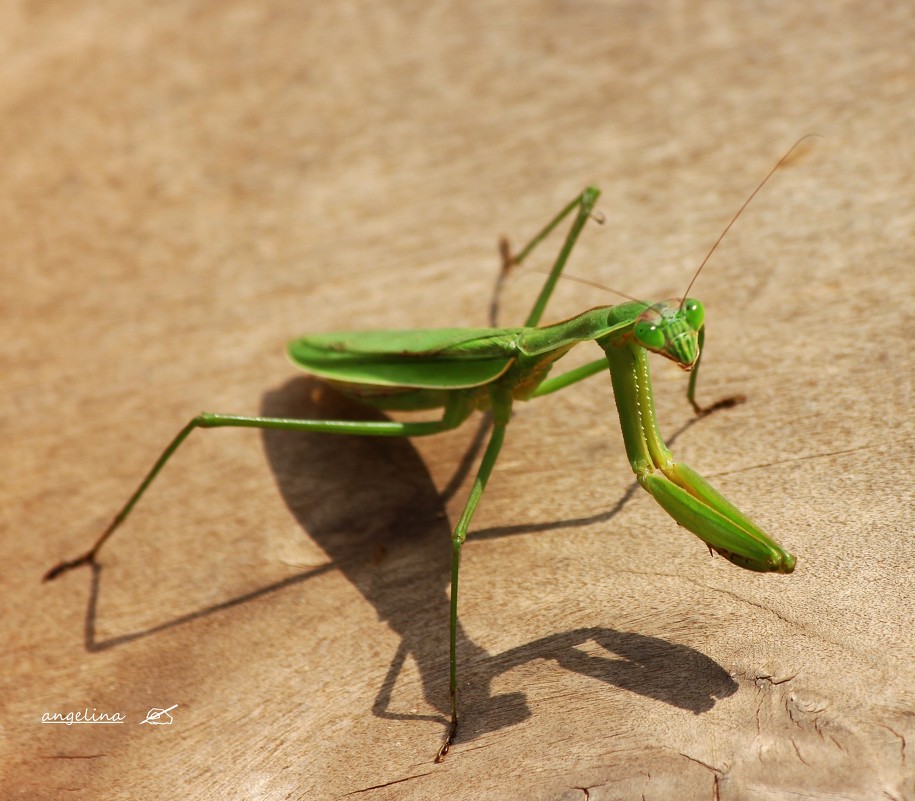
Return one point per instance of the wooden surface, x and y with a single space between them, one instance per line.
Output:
186 186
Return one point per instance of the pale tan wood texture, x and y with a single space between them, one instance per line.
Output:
185 186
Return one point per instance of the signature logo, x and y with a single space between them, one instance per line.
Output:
159 717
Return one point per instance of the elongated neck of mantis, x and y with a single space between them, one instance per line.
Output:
592 324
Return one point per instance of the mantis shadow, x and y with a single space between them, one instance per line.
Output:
371 505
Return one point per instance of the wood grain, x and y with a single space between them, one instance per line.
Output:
185 186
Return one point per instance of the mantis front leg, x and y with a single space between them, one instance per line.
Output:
681 491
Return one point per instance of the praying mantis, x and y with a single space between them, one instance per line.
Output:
462 370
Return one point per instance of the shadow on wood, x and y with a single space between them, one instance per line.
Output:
371 505
397 555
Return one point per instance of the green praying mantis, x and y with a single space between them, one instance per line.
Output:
462 370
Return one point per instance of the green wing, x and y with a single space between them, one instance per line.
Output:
441 358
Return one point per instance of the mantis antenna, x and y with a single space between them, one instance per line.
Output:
579 280
746 203
569 277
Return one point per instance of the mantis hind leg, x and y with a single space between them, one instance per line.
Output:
455 413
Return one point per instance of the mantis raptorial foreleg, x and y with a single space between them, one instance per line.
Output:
686 496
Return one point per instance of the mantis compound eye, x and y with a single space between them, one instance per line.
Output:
650 335
694 313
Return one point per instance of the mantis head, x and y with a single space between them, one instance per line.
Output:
671 328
